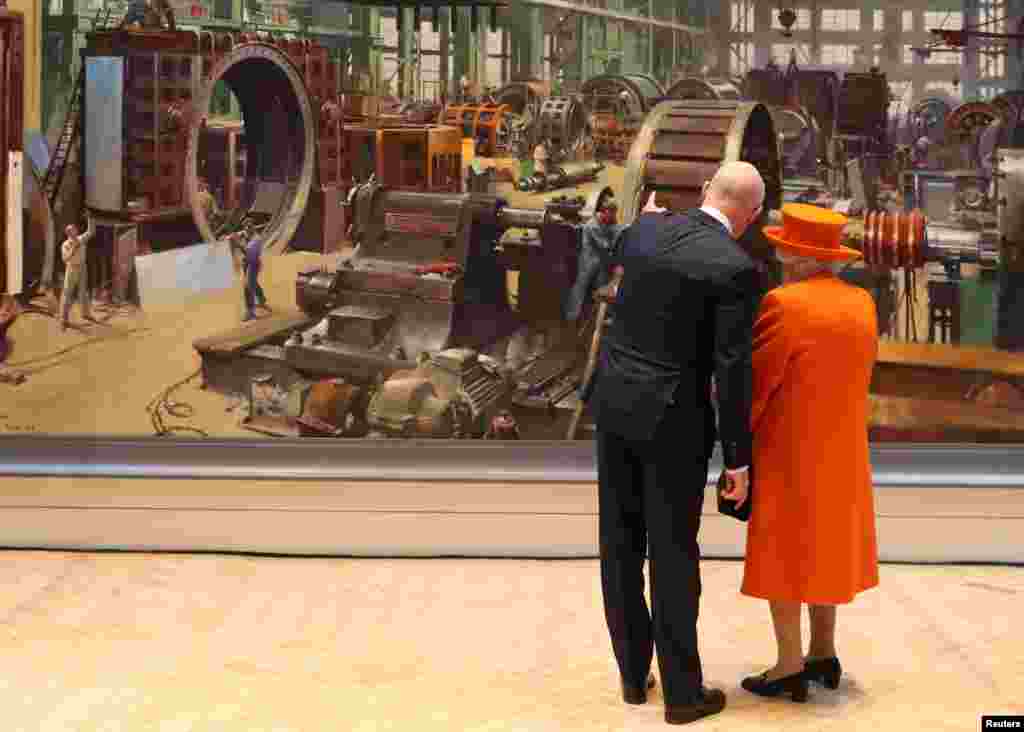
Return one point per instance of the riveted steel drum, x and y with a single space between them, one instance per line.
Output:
563 121
694 87
684 142
638 92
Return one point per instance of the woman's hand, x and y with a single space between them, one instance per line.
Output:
738 486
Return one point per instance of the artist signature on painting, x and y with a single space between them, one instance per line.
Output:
4 427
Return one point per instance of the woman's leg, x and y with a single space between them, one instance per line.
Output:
786 619
823 631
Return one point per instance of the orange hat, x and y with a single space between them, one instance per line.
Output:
811 231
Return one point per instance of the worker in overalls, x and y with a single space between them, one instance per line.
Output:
72 252
599 246
252 255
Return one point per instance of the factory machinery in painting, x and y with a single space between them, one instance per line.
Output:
442 314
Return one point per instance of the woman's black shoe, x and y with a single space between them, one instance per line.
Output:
826 670
794 684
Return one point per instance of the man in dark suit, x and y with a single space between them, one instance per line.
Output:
684 313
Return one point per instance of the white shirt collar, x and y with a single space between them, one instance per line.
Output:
718 216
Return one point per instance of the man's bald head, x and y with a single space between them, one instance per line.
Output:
737 190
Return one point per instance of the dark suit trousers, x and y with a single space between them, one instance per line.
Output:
651 494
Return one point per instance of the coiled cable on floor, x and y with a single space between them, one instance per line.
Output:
162 403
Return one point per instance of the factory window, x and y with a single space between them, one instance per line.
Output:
495 58
742 20
840 19
803 19
878 54
879 20
741 56
837 54
944 58
942 19
991 62
782 52
908 20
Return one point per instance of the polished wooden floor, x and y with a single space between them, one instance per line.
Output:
210 642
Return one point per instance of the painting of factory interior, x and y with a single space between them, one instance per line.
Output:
363 221
293 291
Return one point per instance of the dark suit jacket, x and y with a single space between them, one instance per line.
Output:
685 310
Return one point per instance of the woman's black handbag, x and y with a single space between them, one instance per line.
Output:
727 506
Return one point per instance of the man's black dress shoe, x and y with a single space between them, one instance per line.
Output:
794 684
634 694
712 702
825 670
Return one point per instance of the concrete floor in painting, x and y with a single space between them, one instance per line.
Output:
99 377
205 642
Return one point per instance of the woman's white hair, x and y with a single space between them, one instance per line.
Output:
806 266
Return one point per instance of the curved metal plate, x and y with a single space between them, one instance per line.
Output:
279 132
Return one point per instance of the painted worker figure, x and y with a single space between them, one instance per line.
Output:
209 205
72 252
597 251
540 158
251 266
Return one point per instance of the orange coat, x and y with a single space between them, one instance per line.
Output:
811 536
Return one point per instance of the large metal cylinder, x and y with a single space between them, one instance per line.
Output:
637 92
563 122
280 146
683 143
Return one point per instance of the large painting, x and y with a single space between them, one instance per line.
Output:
340 253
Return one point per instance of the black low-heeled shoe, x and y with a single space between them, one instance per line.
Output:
826 670
794 684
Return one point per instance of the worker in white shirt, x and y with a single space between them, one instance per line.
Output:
540 158
72 251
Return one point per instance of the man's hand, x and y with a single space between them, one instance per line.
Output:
651 206
737 486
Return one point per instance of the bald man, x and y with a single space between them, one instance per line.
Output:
684 312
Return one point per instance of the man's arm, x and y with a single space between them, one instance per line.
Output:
734 322
89 232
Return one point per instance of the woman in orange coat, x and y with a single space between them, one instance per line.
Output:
811 538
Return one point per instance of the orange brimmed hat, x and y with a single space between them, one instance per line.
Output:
811 231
